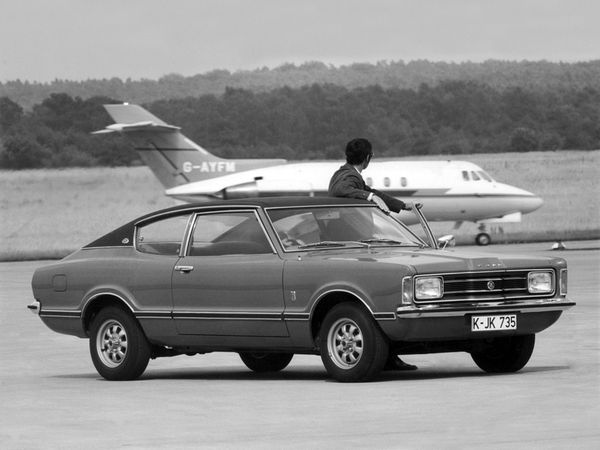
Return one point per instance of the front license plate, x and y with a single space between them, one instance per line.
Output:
493 323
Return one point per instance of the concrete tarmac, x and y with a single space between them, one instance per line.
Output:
52 397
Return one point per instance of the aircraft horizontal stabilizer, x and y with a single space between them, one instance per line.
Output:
133 118
139 126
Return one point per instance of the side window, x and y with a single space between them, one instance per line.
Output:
465 175
386 182
296 228
403 181
228 233
369 181
162 237
475 176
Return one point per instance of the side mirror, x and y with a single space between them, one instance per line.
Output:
446 241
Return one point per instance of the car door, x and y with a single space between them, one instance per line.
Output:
229 283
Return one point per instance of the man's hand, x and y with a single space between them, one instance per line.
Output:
380 204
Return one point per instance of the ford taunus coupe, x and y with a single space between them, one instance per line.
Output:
269 278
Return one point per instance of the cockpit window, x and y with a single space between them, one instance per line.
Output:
485 176
465 175
475 176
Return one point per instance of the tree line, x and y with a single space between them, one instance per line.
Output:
499 75
314 122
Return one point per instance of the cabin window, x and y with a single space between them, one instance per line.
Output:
162 237
386 182
369 181
475 176
403 182
465 175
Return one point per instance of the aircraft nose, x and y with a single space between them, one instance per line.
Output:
525 201
529 201
534 202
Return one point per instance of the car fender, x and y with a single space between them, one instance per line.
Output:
122 295
343 288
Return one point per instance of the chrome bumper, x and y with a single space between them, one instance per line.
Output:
34 307
454 310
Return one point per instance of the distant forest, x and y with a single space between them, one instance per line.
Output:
310 111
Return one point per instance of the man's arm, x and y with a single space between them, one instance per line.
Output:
392 203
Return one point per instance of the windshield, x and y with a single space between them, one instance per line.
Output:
339 226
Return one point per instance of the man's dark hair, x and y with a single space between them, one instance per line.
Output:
358 150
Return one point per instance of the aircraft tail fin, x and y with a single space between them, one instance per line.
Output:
169 154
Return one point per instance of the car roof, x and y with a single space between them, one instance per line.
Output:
259 202
123 236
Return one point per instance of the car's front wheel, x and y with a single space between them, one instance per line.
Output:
266 362
505 354
118 346
352 346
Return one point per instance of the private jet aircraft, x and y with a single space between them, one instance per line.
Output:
456 191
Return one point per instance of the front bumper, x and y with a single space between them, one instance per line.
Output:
453 321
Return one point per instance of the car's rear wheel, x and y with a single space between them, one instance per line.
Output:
505 354
118 346
266 362
353 347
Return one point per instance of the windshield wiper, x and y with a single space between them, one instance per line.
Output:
391 242
333 244
381 241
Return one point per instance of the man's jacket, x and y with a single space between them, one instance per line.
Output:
347 182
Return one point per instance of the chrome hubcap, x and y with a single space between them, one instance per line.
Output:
345 343
111 343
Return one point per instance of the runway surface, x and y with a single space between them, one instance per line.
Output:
52 397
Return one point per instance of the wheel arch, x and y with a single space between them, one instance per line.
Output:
99 301
330 299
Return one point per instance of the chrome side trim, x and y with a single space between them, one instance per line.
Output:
385 316
34 307
222 315
296 316
64 313
154 314
106 247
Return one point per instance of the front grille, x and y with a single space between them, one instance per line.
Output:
486 286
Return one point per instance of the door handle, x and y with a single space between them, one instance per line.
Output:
184 269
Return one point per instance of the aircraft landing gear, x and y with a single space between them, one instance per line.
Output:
483 238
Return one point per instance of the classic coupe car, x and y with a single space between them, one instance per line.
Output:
272 277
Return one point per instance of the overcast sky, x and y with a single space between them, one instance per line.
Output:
41 40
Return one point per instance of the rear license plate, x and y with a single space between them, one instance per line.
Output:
494 323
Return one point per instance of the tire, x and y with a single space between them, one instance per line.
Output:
483 239
352 346
266 362
506 354
118 346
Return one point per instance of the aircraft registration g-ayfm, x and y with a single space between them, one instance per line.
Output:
457 191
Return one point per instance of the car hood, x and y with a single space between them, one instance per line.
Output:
436 261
